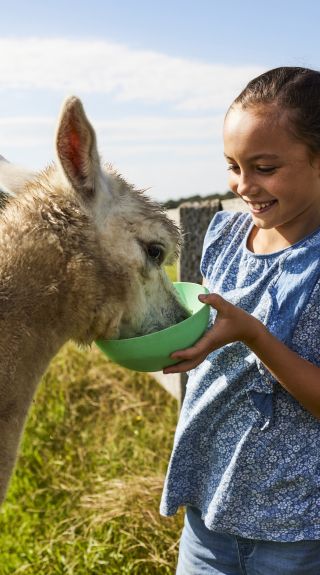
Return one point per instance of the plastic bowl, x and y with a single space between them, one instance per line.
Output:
152 352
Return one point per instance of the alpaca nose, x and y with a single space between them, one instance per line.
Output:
172 314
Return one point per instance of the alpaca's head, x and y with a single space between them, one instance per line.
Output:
134 236
110 241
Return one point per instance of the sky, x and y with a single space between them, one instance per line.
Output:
155 78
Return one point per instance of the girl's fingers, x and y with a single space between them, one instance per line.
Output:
188 361
191 353
193 356
200 349
213 299
204 345
183 353
181 367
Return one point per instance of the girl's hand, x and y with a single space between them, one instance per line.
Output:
231 324
296 374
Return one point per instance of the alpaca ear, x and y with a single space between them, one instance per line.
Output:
76 148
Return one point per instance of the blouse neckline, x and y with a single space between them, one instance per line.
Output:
278 252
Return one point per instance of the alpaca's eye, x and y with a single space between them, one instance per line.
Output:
155 252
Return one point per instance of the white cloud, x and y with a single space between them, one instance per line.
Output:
175 147
174 157
91 66
140 131
26 132
161 130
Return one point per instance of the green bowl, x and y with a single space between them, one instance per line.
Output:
152 352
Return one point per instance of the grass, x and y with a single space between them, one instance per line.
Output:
85 495
172 272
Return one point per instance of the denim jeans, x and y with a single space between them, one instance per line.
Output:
205 552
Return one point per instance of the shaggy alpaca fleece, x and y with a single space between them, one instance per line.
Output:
81 256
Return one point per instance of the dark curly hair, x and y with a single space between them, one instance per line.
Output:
293 90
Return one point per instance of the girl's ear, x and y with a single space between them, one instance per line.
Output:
76 148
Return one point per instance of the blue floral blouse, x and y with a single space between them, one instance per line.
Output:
246 453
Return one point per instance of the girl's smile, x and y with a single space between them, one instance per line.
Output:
273 172
260 207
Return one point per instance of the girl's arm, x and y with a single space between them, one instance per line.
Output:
297 375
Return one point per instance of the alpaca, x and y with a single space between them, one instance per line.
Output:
13 177
81 255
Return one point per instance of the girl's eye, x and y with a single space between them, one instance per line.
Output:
232 167
260 169
266 169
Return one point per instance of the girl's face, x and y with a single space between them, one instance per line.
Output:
272 171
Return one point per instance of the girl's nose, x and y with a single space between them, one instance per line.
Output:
245 185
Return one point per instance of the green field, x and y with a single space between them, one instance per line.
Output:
85 495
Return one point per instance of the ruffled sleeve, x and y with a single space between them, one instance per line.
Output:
220 227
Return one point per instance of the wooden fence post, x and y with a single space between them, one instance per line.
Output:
194 220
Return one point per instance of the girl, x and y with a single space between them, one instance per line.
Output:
246 456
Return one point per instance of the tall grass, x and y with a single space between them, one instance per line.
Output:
85 494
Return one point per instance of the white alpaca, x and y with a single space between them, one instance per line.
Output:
13 177
81 256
